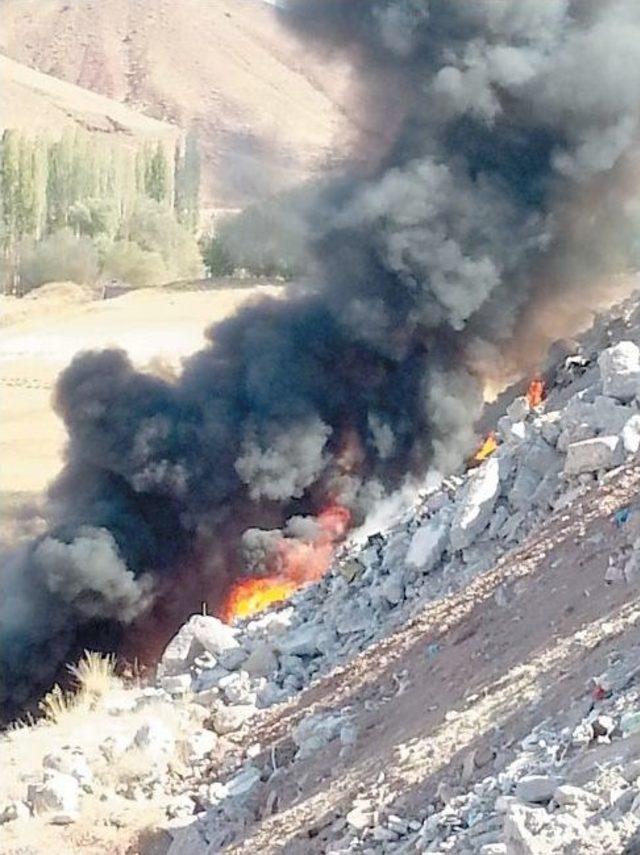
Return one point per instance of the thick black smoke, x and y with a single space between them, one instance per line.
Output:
503 119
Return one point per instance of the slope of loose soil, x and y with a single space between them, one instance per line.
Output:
267 110
33 101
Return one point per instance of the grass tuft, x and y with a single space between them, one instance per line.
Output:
94 677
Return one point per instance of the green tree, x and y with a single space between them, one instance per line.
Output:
157 180
93 217
187 181
10 178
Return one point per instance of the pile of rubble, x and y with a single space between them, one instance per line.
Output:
219 679
546 458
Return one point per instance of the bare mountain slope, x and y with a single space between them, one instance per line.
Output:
268 112
34 101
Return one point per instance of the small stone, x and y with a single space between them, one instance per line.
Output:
62 818
537 789
154 737
630 722
176 685
70 761
57 793
13 811
468 767
603 725
360 817
428 544
393 590
631 771
179 653
229 719
503 803
314 732
630 435
243 782
518 409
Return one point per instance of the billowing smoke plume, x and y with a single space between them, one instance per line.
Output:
505 123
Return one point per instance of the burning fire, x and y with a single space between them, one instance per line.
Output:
488 447
536 393
253 595
298 562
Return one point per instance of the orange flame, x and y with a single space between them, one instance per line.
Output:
253 595
298 562
488 447
536 393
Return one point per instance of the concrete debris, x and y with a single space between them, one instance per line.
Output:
314 732
620 370
428 543
475 505
536 788
589 455
58 792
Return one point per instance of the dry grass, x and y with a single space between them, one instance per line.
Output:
94 676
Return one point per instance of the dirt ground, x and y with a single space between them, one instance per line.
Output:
41 335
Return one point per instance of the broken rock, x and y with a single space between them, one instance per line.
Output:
428 543
589 455
475 506
314 732
620 370
57 793
537 789
229 719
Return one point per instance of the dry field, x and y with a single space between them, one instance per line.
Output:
41 334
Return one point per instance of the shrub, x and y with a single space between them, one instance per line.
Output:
61 257
155 229
216 257
139 267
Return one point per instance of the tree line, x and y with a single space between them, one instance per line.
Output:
77 206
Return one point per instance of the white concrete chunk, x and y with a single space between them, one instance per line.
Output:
620 370
475 505
428 543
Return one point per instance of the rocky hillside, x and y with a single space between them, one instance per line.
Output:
36 102
465 679
269 113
